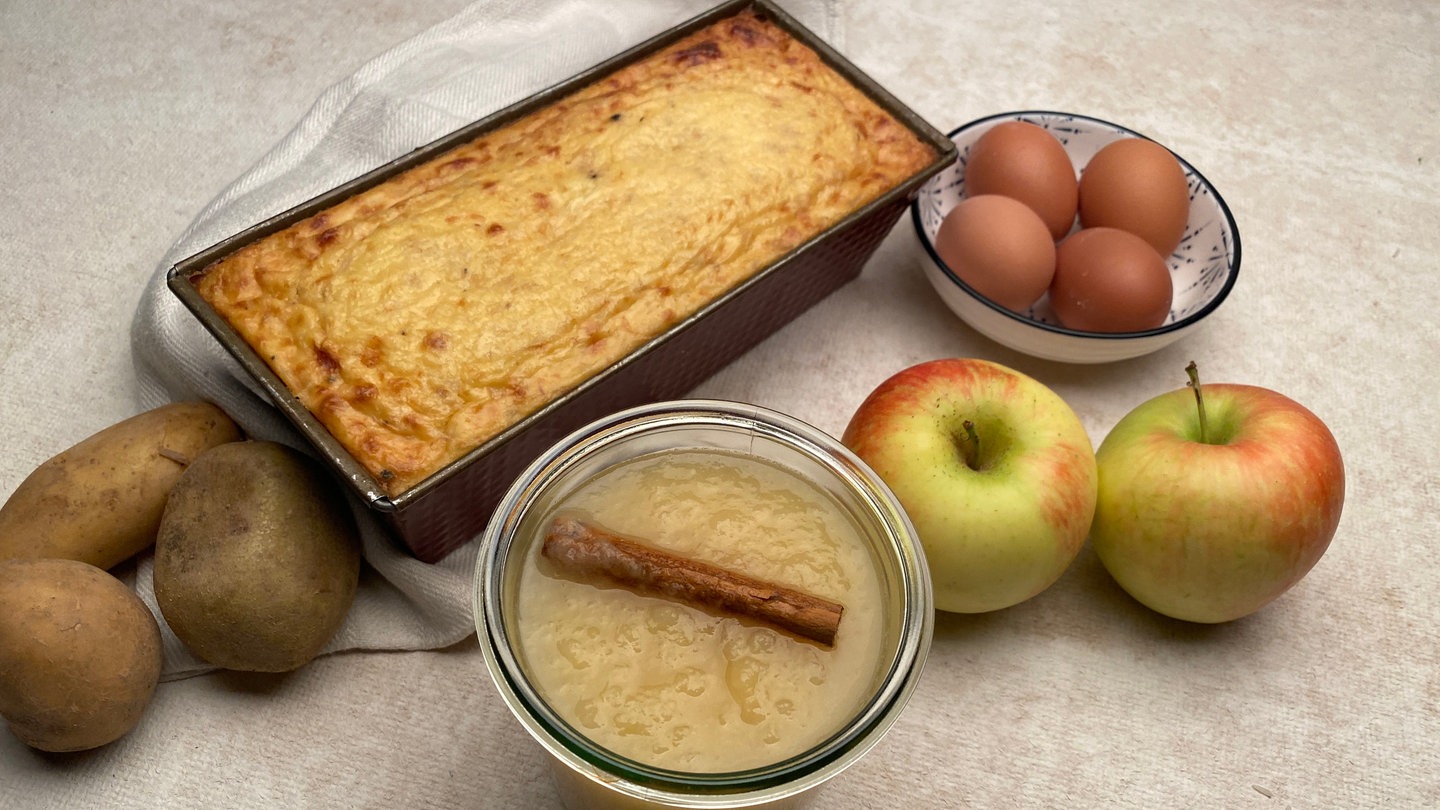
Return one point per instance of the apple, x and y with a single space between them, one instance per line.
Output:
1213 503
994 470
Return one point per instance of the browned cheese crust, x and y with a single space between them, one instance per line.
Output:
420 318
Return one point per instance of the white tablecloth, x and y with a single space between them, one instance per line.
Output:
124 122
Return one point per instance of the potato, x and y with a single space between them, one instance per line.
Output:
80 654
100 501
257 559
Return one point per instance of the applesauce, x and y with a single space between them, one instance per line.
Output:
643 702
683 688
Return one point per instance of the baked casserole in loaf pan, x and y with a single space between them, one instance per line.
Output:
434 325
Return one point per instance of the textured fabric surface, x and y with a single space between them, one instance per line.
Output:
489 55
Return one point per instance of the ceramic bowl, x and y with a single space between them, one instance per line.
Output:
1203 267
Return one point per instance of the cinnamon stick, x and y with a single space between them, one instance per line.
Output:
589 551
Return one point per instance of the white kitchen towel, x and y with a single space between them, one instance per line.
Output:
493 53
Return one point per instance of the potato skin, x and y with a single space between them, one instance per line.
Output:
80 654
100 501
257 559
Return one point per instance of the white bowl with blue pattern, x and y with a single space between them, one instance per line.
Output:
1203 267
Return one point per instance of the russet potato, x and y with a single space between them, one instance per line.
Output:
257 559
80 654
100 501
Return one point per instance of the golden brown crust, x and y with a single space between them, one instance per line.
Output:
420 318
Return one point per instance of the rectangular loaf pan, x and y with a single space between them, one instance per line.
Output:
453 505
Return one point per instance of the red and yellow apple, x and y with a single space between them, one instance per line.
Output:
994 469
1215 501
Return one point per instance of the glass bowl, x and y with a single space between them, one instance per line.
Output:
587 774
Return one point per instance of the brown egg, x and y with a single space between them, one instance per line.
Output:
1109 280
999 246
1136 185
1024 161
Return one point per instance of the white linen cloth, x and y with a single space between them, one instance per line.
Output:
492 54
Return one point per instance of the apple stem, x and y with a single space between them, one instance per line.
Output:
970 447
1194 373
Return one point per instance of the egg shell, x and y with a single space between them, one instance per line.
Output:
1109 280
1000 247
1136 185
1024 161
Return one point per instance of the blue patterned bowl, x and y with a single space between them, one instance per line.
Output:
1203 268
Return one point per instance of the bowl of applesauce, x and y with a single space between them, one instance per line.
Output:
701 604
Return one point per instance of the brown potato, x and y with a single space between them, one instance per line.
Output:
100 501
80 654
258 558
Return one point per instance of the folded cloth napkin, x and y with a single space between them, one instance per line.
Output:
492 54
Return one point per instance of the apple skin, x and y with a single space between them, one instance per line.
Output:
999 534
1211 532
